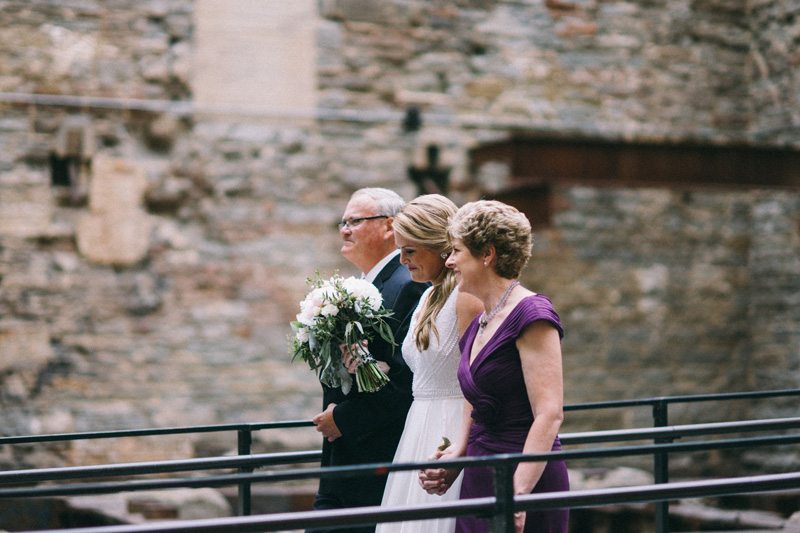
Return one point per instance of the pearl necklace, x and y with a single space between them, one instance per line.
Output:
486 317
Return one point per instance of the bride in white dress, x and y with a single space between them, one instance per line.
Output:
431 351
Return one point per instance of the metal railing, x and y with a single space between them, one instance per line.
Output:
244 441
660 412
504 465
500 507
253 461
478 506
659 433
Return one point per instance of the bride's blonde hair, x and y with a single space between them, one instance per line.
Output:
424 220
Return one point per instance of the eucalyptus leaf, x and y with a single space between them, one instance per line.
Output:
312 341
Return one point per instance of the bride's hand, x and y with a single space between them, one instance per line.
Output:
439 480
519 521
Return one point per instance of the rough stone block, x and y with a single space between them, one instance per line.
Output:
114 238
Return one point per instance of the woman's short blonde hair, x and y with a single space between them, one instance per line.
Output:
489 222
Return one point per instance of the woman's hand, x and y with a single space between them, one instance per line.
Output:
519 521
439 480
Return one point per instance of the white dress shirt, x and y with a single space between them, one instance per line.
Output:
374 271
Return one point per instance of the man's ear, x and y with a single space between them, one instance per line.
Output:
389 229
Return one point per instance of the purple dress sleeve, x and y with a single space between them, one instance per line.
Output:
531 309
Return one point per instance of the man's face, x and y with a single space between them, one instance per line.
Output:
364 242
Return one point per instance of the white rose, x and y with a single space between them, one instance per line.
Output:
317 297
328 291
330 310
306 316
364 290
302 335
310 308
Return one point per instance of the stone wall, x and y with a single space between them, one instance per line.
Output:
771 67
662 291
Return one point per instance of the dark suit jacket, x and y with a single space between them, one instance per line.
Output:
371 422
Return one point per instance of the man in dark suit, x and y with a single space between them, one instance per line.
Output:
365 427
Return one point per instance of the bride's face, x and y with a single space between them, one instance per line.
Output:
422 263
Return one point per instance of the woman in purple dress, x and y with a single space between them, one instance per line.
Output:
510 369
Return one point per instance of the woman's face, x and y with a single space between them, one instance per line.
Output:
469 270
422 263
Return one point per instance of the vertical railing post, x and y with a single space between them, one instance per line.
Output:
244 442
503 521
661 465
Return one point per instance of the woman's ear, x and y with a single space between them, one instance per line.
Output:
489 255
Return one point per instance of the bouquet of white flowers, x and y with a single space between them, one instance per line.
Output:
339 312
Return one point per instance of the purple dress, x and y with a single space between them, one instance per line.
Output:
502 414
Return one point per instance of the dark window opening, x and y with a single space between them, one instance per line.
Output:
432 178
63 170
536 201
71 158
69 176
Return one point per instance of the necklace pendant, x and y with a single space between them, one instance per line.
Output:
486 317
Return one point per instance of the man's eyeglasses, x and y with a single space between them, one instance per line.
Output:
355 222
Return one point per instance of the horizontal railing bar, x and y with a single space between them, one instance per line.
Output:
477 506
662 493
157 467
144 432
687 430
383 468
689 398
727 396
326 518
257 460
274 425
659 492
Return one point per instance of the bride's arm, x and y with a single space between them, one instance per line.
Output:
467 308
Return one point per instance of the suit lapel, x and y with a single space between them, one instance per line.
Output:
386 272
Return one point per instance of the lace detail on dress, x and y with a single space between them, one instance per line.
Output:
436 377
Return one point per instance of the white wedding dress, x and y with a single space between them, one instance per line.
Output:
437 411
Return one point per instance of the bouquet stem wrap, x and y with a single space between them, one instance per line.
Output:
341 311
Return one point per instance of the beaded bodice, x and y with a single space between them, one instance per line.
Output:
435 369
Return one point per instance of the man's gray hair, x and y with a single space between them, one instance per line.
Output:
387 202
